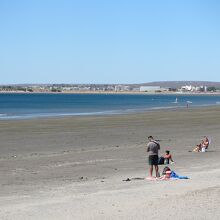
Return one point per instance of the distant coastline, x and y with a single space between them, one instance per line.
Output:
163 87
112 92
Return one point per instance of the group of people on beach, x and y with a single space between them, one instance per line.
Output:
153 148
154 160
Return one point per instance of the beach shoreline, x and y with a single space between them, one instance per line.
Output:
74 167
114 92
28 106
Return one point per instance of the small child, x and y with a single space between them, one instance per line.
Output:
168 157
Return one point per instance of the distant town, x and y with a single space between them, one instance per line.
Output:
155 87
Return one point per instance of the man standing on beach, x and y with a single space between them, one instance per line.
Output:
153 147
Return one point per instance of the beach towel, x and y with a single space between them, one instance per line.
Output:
172 176
176 176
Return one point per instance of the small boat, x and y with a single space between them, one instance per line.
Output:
176 101
188 102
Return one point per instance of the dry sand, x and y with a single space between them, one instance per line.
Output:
72 168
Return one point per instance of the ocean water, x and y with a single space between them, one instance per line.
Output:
25 106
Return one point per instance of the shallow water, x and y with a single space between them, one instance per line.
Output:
24 106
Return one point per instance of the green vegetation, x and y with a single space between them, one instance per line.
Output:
211 89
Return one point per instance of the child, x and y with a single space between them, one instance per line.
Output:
168 157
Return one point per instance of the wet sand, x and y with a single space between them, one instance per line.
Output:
74 167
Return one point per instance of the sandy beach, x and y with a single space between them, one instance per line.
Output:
74 167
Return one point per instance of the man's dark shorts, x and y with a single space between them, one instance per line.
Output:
153 160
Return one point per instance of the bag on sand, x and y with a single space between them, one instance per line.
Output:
161 160
203 150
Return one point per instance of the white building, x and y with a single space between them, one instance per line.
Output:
186 88
191 88
149 88
122 88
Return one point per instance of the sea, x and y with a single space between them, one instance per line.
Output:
33 105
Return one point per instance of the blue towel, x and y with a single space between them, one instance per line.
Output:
175 175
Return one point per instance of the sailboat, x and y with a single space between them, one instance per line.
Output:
176 101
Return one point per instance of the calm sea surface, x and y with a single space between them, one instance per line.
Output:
24 106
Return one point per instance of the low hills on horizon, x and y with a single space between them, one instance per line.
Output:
179 84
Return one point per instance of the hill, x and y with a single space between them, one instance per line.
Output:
179 84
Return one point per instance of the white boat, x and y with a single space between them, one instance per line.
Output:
176 101
188 102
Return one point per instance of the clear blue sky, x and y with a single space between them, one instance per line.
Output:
115 41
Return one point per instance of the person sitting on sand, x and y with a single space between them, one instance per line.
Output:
203 146
168 157
153 147
205 143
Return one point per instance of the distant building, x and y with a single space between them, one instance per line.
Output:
191 88
149 88
186 88
122 88
136 89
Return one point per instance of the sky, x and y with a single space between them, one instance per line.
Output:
115 41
